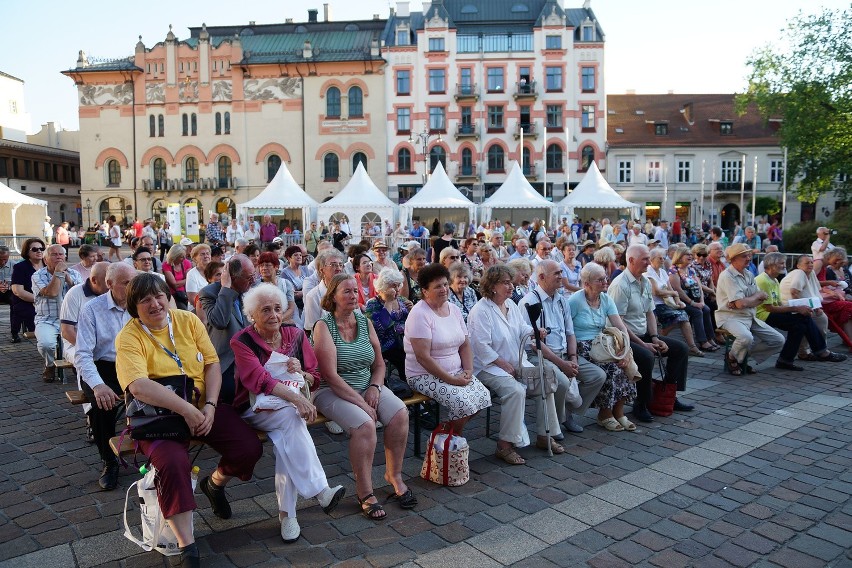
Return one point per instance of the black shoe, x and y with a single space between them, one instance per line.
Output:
683 407
218 499
833 357
189 557
15 339
428 420
109 476
779 364
640 413
49 374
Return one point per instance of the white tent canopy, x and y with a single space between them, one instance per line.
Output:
360 201
438 193
594 193
515 193
282 193
9 196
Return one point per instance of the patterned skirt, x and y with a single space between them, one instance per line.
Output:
459 401
616 387
669 316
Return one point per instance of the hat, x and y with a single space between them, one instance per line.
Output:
736 250
380 245
410 246
588 244
46 218
278 240
186 242
653 241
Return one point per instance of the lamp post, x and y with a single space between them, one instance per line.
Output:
423 138
88 213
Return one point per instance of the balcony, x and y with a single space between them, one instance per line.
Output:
525 90
529 130
467 174
467 131
729 186
466 93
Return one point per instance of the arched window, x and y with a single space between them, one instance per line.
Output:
159 168
273 163
114 172
587 156
356 102
224 172
496 159
152 126
194 124
161 122
331 167
554 158
185 124
159 210
403 160
191 169
437 154
467 162
332 102
359 158
527 162
227 123
218 123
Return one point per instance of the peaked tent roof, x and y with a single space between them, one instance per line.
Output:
360 192
282 192
594 191
439 191
516 193
9 196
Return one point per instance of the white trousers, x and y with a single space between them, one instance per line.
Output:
46 333
513 396
754 338
298 470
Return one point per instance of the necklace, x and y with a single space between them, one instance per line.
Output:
271 342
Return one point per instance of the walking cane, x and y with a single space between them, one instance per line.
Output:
534 312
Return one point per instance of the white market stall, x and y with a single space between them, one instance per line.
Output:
361 202
435 198
281 194
595 193
518 197
32 217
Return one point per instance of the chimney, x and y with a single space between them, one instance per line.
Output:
326 12
374 48
288 20
307 50
312 15
688 113
403 10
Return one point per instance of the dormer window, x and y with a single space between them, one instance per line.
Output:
726 128
661 129
587 32
402 36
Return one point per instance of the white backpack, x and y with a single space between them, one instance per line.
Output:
156 532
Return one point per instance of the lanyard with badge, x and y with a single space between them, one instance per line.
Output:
169 352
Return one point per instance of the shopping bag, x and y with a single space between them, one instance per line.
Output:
446 458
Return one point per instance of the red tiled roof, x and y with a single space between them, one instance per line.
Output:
692 120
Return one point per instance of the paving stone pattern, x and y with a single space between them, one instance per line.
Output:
758 475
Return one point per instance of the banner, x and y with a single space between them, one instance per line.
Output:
173 217
190 212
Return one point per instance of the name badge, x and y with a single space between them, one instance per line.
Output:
200 357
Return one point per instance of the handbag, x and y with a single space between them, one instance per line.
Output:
530 378
446 459
613 345
148 422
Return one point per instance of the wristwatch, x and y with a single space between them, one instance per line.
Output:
378 387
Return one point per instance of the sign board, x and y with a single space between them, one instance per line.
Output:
173 217
190 213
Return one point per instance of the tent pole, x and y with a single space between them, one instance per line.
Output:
15 227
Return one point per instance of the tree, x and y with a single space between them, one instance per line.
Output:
807 83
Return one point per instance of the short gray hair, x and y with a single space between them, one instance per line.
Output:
460 269
838 252
604 255
773 258
590 271
240 242
658 252
386 278
521 264
326 256
447 251
255 297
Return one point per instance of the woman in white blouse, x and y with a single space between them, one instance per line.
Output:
496 327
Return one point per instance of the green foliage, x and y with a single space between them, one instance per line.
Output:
807 83
765 206
798 238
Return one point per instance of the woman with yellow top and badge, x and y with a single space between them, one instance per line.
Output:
166 362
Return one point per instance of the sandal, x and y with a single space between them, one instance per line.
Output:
406 501
696 352
611 424
627 424
750 370
555 447
371 510
734 367
510 456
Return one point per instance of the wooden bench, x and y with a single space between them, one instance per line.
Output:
76 397
128 445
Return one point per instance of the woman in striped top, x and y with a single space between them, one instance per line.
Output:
351 364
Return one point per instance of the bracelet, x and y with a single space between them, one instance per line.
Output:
213 404
59 275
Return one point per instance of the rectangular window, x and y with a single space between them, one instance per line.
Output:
731 171
661 129
495 79
588 33
437 81
655 171
402 37
495 117
588 74
554 78
403 120
403 82
625 171
465 77
553 42
684 171
776 171
588 119
437 119
726 128
436 44
554 117
466 120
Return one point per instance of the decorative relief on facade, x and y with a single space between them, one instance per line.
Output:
96 95
588 56
188 91
554 19
343 126
272 89
436 21
155 93
222 91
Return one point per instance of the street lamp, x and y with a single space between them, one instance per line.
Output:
424 138
88 213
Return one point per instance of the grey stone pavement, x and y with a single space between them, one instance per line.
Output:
758 475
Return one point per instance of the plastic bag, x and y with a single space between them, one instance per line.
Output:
277 367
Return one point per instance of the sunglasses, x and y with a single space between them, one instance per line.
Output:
454 257
36 249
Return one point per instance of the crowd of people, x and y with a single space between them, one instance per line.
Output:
267 336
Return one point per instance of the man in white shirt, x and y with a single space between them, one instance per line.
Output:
233 232
662 234
522 250
543 248
606 230
821 244
803 283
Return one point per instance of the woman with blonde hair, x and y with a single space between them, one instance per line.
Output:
175 269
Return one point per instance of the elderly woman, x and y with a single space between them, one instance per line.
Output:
685 281
350 362
268 267
298 470
592 310
461 294
363 265
605 257
383 259
161 347
175 269
665 300
704 270
438 357
522 269
201 255
570 267
836 262
410 287
296 274
388 312
488 256
470 257
23 302
497 327
449 256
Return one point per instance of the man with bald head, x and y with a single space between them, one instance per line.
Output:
98 325
74 300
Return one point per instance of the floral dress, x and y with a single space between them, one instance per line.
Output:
465 302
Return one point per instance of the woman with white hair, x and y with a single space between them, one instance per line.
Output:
285 412
461 294
605 257
388 312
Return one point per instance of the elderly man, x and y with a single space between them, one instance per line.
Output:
223 305
382 258
213 230
522 249
797 321
715 255
329 263
268 231
801 283
631 292
543 248
751 239
822 243
662 234
500 251
637 237
50 284
738 297
234 232
98 324
5 276
74 300
606 230
560 346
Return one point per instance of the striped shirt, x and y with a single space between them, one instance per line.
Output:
354 358
47 309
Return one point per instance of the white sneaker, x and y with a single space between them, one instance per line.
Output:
333 427
290 529
329 498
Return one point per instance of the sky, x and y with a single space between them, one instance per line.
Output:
652 46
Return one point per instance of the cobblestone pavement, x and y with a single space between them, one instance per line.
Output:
758 475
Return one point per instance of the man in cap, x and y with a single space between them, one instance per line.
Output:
47 231
383 259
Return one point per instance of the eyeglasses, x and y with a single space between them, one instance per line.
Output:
335 264
145 258
701 255
456 257
36 249
600 280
